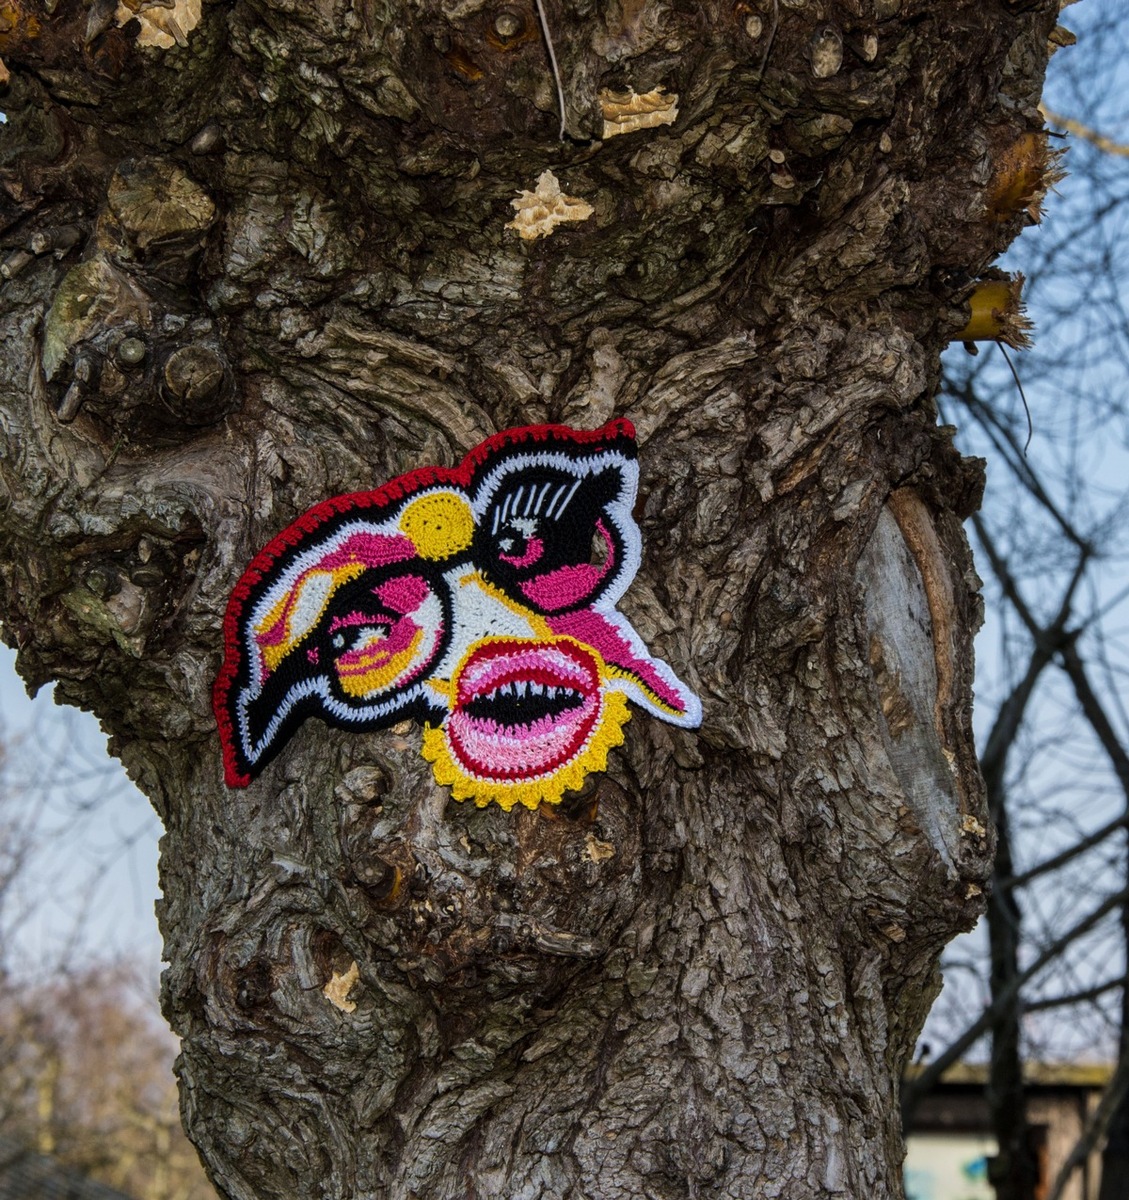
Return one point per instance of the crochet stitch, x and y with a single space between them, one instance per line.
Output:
478 600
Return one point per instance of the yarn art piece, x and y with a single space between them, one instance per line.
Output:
478 600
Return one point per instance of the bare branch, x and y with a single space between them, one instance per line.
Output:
1103 143
1060 860
914 1089
1081 997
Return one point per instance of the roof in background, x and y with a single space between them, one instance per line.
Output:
1070 1075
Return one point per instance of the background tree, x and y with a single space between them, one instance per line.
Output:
85 1062
1051 548
84 1077
262 258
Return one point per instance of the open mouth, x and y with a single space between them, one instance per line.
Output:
523 702
523 708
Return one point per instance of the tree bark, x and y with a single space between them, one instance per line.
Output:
702 976
1115 1152
1014 1171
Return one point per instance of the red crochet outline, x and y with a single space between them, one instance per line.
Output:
381 497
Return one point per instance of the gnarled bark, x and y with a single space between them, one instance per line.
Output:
702 976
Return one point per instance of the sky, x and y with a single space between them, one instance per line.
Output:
92 880
93 884
1075 383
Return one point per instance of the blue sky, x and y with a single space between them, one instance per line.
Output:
93 884
90 887
1076 382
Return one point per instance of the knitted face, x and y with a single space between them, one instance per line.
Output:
479 600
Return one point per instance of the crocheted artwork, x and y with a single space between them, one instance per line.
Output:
478 600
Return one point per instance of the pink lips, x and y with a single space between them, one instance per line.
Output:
523 708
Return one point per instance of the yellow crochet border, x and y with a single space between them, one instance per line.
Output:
547 789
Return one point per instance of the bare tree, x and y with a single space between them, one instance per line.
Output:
85 1060
265 256
85 1076
1051 547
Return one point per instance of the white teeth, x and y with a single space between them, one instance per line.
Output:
525 688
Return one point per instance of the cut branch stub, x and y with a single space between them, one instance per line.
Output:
197 384
159 206
996 313
91 297
146 362
1023 173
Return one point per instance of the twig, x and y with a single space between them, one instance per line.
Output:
1091 993
1046 644
543 18
914 1089
1085 133
1004 441
1061 859
1022 396
771 39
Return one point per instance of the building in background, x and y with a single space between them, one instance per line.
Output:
950 1144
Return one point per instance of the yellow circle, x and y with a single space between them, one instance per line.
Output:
439 525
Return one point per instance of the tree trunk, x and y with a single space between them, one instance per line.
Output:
1115 1153
1014 1171
272 265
